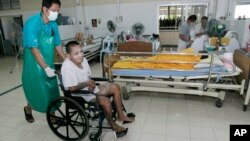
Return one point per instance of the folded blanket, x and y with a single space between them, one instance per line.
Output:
161 61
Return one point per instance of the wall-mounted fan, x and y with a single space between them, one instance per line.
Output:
16 35
138 29
111 26
109 41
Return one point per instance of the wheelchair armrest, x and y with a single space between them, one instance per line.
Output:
85 92
57 66
100 79
81 92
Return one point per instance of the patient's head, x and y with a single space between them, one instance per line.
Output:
74 52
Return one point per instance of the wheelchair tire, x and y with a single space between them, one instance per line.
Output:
69 122
93 138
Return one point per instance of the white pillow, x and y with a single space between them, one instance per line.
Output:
205 63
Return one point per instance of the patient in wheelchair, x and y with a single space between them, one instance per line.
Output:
76 76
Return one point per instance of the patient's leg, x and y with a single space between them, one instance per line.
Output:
105 103
113 89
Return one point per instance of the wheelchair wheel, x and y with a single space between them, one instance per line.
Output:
92 137
69 121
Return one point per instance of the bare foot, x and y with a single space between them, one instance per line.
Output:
125 118
118 128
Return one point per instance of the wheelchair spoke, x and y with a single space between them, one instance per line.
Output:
73 127
59 110
73 113
67 130
75 123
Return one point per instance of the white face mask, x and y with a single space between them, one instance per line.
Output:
192 24
52 15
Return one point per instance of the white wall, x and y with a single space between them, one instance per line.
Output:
132 12
67 31
232 6
225 8
71 12
145 13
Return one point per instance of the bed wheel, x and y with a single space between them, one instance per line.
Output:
125 94
93 138
218 103
244 107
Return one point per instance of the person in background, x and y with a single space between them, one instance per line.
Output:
202 27
184 33
40 39
76 74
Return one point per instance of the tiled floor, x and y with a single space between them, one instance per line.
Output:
159 116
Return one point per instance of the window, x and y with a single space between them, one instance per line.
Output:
170 17
242 10
9 4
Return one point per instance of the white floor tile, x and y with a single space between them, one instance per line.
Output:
177 111
200 122
31 136
171 138
221 135
152 137
15 135
154 128
177 120
178 131
220 123
160 118
200 133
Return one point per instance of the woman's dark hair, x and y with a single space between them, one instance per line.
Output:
71 44
204 18
192 18
48 3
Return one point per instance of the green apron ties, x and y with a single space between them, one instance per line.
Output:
39 89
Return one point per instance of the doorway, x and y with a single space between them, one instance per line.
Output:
7 47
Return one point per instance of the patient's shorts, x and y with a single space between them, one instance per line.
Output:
86 97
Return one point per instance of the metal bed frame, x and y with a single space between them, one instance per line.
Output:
204 85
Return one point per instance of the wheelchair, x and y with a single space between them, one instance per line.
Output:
72 114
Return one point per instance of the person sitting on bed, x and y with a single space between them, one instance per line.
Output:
76 74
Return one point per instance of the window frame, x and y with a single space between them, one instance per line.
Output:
10 5
185 11
240 3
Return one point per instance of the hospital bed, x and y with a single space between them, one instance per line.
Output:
91 51
130 47
212 81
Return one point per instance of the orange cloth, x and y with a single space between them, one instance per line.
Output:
161 61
